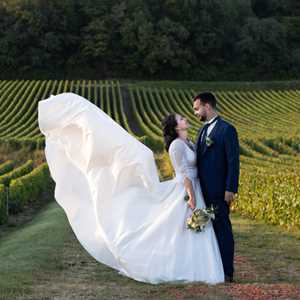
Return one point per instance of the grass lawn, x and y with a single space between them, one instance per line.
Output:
42 259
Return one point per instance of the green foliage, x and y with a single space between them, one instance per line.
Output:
153 144
274 198
3 204
18 143
283 146
266 116
266 8
28 188
207 40
6 167
15 173
263 43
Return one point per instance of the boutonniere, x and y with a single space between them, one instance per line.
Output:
209 141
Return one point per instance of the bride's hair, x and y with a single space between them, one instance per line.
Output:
169 123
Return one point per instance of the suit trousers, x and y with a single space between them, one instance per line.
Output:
223 230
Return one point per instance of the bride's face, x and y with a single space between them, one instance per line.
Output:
182 123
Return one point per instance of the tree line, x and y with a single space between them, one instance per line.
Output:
157 39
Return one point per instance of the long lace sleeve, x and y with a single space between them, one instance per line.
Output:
178 158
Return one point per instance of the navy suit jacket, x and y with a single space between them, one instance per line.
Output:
219 164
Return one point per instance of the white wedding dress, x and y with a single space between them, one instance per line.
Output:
108 185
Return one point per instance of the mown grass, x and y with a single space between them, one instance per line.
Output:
30 250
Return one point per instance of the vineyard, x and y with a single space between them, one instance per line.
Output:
267 122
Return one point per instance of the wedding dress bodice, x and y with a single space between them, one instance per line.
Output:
183 160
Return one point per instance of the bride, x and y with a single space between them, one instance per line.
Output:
108 185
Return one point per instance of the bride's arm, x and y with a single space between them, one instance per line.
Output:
177 154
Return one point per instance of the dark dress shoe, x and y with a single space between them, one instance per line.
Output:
229 278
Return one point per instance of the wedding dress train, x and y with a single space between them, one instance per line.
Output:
108 185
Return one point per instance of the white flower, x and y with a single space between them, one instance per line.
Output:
208 141
199 218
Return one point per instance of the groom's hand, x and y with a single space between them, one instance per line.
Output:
229 196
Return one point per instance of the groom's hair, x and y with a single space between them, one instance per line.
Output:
207 97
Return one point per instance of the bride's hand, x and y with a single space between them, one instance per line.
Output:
192 202
190 191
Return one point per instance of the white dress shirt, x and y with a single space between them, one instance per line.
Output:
210 127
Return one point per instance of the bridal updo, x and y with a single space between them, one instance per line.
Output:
169 124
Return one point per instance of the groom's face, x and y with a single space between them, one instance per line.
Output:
200 110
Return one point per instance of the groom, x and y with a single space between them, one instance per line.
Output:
217 148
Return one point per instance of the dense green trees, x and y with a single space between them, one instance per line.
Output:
176 39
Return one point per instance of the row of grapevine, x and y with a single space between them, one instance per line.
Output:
256 114
19 100
20 186
151 105
267 122
272 197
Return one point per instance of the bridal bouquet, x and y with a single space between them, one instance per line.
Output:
199 218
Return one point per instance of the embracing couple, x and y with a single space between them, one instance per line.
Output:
215 156
122 214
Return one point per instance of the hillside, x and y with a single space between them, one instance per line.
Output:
267 120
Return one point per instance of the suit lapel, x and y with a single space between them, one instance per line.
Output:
198 136
212 134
